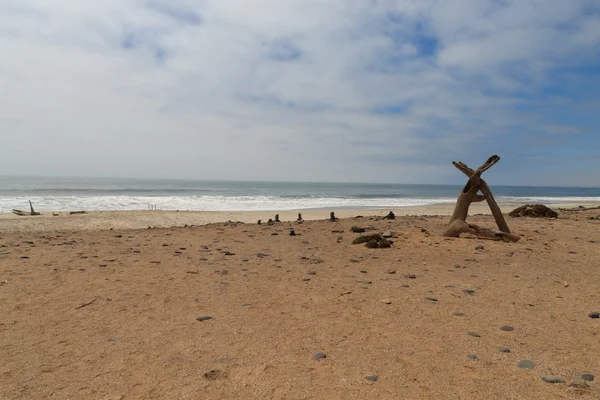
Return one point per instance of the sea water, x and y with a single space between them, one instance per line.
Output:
66 194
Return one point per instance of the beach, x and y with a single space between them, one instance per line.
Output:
98 306
140 219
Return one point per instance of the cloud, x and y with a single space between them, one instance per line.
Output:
297 90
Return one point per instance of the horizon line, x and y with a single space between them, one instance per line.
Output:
280 181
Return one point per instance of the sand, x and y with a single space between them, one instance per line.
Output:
102 220
112 314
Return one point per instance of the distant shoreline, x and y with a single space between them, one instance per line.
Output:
142 219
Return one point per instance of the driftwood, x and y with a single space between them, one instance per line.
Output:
458 222
25 213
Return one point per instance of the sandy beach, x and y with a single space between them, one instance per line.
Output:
102 220
89 312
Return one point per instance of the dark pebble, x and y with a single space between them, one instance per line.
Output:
553 379
411 276
474 334
594 315
504 349
24 257
354 261
82 269
459 314
102 265
479 247
203 318
311 273
319 356
306 279
363 271
526 364
372 378
456 266
391 271
507 328
587 377
472 357
433 299
470 292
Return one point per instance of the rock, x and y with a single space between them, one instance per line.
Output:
374 241
456 265
526 364
432 299
366 238
203 318
594 315
386 301
533 211
372 378
411 276
387 235
319 356
459 314
472 357
553 379
474 334
214 374
470 292
385 244
372 244
311 273
306 279
391 271
587 377
507 328
357 229
480 247
504 349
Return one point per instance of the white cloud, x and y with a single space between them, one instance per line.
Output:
280 89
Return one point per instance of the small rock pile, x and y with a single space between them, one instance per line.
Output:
533 211
375 241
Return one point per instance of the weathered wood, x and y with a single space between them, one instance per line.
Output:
459 227
25 213
487 193
469 195
500 221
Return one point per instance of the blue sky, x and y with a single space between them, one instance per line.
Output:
337 90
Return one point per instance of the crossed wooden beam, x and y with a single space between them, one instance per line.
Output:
469 195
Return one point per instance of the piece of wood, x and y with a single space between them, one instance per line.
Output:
487 193
85 304
469 195
459 227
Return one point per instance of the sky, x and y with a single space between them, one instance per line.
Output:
309 90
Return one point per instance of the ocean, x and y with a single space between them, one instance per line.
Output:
67 194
